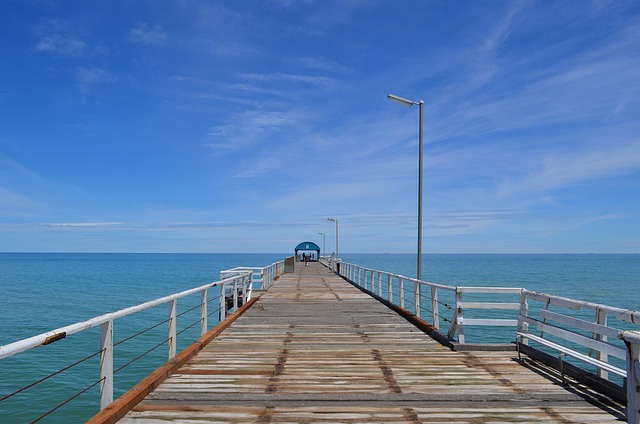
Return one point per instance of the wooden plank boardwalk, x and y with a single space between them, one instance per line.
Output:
315 349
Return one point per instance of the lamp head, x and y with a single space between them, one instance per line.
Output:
401 100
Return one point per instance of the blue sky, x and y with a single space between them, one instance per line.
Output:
240 126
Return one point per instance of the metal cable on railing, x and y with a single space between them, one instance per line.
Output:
141 355
35 383
188 327
214 298
157 325
141 332
446 305
214 312
162 342
60 405
188 310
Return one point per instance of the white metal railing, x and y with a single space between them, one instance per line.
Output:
589 333
237 281
106 323
263 277
239 294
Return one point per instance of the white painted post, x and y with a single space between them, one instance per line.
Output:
401 284
379 284
434 308
249 292
106 364
632 341
373 281
390 287
524 312
172 328
459 316
235 294
601 318
416 295
204 325
223 304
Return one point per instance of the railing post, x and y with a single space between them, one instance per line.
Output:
223 304
601 319
390 287
249 291
632 341
434 307
416 294
524 311
379 284
106 364
401 284
203 313
172 328
235 294
459 316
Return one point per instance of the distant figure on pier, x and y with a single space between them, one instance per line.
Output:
306 259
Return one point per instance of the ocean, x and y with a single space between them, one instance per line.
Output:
44 291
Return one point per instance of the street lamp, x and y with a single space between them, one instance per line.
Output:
336 221
323 245
409 103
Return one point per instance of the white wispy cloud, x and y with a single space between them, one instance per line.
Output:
566 169
88 76
56 37
322 64
245 128
147 35
314 80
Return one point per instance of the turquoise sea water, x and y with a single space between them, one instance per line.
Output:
41 292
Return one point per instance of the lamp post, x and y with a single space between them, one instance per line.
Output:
336 221
409 103
323 245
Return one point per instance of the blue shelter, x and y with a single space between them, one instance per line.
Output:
308 247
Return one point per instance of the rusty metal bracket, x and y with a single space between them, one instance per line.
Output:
54 338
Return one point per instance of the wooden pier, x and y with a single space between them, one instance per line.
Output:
316 349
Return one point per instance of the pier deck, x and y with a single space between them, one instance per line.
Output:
316 349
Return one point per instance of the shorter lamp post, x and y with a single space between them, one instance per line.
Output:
336 221
323 245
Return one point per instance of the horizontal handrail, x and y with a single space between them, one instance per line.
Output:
62 332
399 287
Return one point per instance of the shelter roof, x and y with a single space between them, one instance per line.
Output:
307 245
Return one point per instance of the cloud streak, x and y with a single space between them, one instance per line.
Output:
146 35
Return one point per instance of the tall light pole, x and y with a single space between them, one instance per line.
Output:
409 103
323 245
336 221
